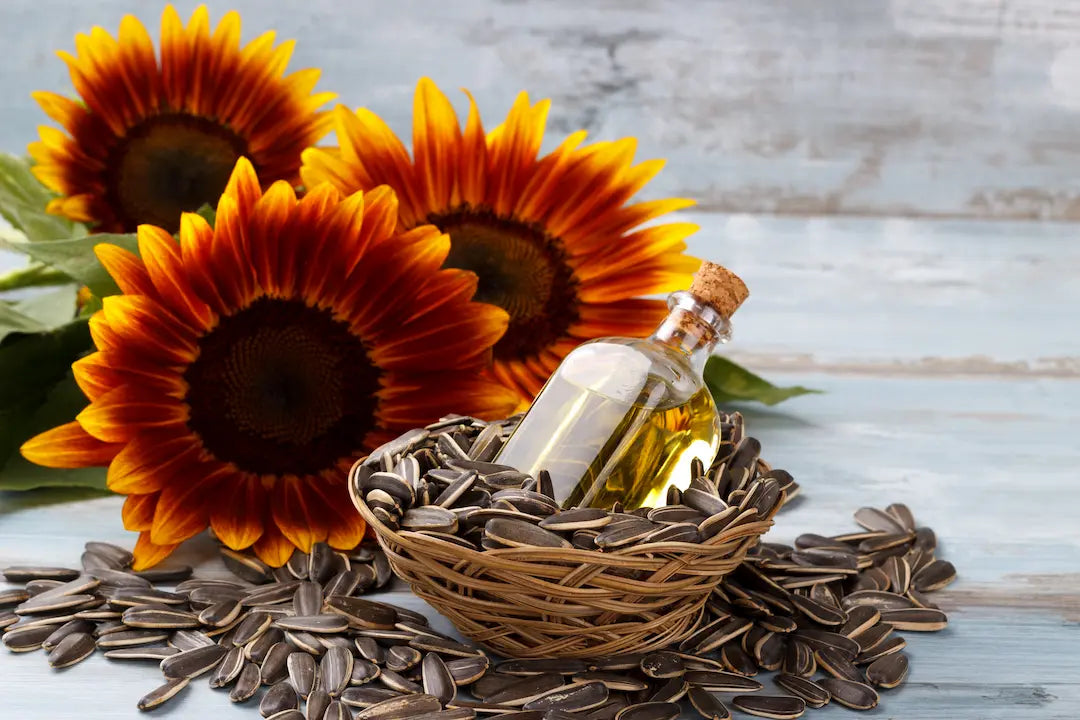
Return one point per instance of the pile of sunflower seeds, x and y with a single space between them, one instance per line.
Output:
823 613
440 482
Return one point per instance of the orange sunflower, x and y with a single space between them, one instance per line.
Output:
153 139
245 368
553 239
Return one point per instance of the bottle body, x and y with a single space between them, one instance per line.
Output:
620 420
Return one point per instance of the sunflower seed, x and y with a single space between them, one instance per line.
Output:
301 668
158 617
335 670
720 681
247 683
256 650
345 583
612 680
521 691
244 566
317 704
308 599
228 669
881 600
162 694
934 576
129 638
736 660
337 710
837 664
275 664
69 628
330 623
323 563
157 653
781 707
14 596
888 671
362 613
713 637
893 644
366 696
441 646
396 681
26 573
278 698
48 603
915 619
273 594
708 705
620 533
899 573
401 658
369 649
192 663
662 665
220 614
517 533
822 639
573 698
650 711
291 714
860 619
705 503
401 708
467 670
72 649
878 521
190 639
576 519
811 693
819 612
855 695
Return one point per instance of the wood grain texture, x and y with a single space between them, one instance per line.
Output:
997 485
945 108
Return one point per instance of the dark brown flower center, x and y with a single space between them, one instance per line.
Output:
280 387
168 165
521 269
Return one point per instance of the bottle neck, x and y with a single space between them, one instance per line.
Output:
693 328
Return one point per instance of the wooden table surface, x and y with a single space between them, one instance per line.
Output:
945 335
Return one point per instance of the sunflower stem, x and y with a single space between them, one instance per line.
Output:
36 275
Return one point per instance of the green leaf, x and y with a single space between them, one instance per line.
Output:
38 313
37 392
76 258
52 308
34 274
729 382
22 203
208 213
40 497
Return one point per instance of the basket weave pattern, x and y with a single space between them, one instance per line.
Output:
552 602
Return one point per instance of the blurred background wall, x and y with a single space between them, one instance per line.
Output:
878 161
921 108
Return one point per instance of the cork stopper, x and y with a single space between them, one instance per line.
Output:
719 287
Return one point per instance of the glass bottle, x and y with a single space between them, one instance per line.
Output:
622 418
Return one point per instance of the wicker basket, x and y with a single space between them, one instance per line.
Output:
570 603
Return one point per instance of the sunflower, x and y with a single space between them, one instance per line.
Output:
153 139
245 368
553 239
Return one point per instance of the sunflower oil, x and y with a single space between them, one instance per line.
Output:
618 422
622 419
